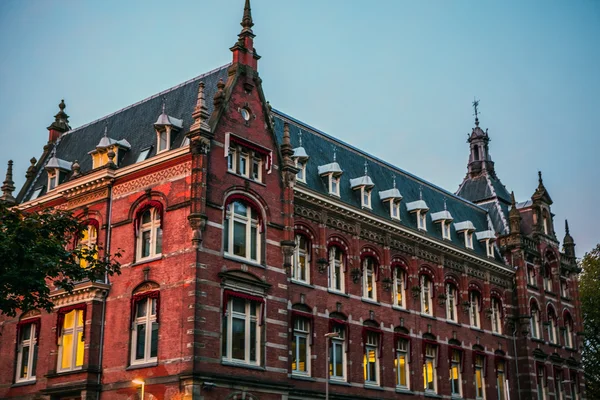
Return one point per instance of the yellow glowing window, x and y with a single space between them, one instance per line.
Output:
71 349
90 236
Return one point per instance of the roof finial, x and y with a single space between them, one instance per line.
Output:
9 185
475 105
366 168
334 152
420 192
445 206
394 181
566 227
513 203
540 180
164 104
247 22
300 137
106 129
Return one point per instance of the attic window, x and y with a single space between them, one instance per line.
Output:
394 197
420 208
366 197
143 154
488 237
333 172
106 146
245 114
469 240
422 220
334 185
301 175
365 185
57 170
395 210
300 159
163 141
446 230
467 228
53 179
164 126
489 246
445 219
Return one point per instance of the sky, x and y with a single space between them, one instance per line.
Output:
392 77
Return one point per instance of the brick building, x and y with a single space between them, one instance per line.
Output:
249 235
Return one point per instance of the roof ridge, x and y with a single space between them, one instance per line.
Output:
148 98
377 159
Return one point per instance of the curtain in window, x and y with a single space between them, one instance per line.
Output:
37 322
136 298
148 205
227 294
305 315
60 317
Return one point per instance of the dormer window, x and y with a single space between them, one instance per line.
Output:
57 171
366 197
301 175
332 172
395 210
301 159
165 125
52 179
108 147
420 209
466 228
334 185
445 230
246 159
422 220
488 237
393 197
444 218
489 246
364 184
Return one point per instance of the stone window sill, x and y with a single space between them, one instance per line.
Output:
24 383
144 365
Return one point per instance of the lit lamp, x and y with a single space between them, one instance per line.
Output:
327 337
140 382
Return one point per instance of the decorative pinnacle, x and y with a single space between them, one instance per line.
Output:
31 170
394 181
566 227
9 184
247 22
286 133
475 105
61 119
513 203
300 137
62 105
334 152
200 113
366 168
540 180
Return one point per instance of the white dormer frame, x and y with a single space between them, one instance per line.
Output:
56 169
489 248
420 208
446 233
444 218
53 178
395 209
393 197
301 175
422 219
488 237
163 139
467 228
365 197
334 185
333 172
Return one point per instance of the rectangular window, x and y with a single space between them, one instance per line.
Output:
468 240
489 246
474 309
426 293
70 351
399 288
336 269
501 380
27 353
243 164
401 364
163 141
334 185
241 232
455 374
300 347
241 332
366 197
446 230
496 316
301 175
395 209
369 286
371 359
246 163
144 340
421 220
531 276
479 377
451 302
301 262
541 383
231 161
559 385
535 323
337 355
564 292
257 169
52 180
430 369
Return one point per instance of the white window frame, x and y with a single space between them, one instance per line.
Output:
559 387
167 135
426 295
53 177
481 369
248 319
531 275
301 332
251 224
451 302
365 197
553 329
402 352
564 288
446 232
88 241
395 210
334 185
75 330
501 380
535 323
334 342
336 266
422 220
496 316
547 278
246 163
155 232
31 361
301 174
368 276
541 384
455 365
399 289
469 240
147 321
489 247
299 254
545 225
569 333
474 309
372 345
430 358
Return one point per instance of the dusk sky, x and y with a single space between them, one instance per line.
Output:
394 78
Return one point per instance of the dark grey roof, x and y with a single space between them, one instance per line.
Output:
483 187
134 123
319 147
498 213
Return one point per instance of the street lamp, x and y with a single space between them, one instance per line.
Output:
327 337
140 382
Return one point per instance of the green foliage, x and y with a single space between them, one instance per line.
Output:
38 255
589 292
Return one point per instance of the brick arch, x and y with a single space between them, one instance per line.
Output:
425 269
251 201
340 241
452 279
307 230
534 302
370 251
146 197
252 196
146 286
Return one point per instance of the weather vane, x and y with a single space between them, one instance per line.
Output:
475 105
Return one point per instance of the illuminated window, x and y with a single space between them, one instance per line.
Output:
70 350
88 241
242 232
455 373
336 269
144 337
27 352
337 355
474 309
371 359
401 364
300 347
368 279
399 284
241 332
496 316
430 369
426 295
451 302
301 261
501 379
479 377
149 240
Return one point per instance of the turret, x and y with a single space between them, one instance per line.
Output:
8 187
568 242
60 124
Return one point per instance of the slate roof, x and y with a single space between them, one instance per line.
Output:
483 187
319 147
135 124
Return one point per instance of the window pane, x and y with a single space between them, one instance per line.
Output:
145 243
240 208
24 362
153 306
226 234
33 361
238 305
163 141
69 320
239 239
67 351
142 308
238 339
159 238
253 341
225 336
302 267
339 366
140 348
26 329
154 340
253 247
80 350
401 370
146 217
302 356
295 356
372 365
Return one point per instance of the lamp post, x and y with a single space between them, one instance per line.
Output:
140 382
327 337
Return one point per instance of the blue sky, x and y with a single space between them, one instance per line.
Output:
395 78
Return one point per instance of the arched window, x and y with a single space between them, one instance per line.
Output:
70 330
535 320
426 294
400 279
88 241
452 300
531 275
149 231
336 269
475 308
547 275
552 326
28 331
568 331
242 230
301 261
496 315
145 309
369 271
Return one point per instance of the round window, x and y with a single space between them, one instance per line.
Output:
245 114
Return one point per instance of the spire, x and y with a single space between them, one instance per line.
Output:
60 124
9 186
247 22
568 242
475 105
514 215
567 227
243 49
541 194
200 113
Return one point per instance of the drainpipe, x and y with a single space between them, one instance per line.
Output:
106 257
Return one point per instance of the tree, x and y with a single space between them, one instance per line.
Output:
39 252
590 306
